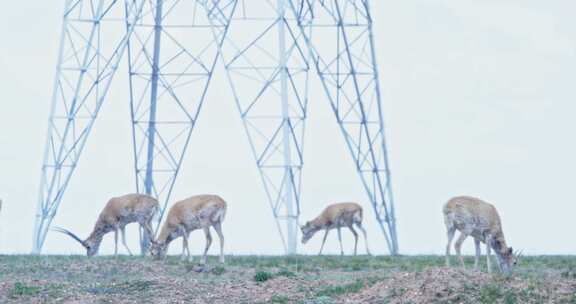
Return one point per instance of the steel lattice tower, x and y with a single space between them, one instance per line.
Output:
268 48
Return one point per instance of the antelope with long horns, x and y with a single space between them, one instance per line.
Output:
196 212
336 216
119 212
476 218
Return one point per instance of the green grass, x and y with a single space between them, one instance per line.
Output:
319 300
529 264
490 293
336 262
339 290
279 300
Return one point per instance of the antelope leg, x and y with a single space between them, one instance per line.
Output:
208 243
340 241
323 241
458 246
365 237
355 239
478 252
218 228
488 250
123 231
116 241
451 233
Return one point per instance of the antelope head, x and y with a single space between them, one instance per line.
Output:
507 258
308 231
90 244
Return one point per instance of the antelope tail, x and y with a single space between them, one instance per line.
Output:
219 215
358 216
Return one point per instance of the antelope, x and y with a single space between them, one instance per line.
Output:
196 212
336 216
476 218
119 212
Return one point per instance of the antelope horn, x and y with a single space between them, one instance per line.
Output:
72 235
518 254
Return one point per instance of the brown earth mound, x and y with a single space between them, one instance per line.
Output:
454 285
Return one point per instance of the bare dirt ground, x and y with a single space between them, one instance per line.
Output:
300 279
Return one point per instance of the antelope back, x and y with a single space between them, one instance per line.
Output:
469 213
341 213
196 212
129 208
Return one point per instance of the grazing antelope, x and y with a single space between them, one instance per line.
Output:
336 216
476 218
196 212
119 212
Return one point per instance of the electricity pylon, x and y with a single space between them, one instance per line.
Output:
268 48
172 48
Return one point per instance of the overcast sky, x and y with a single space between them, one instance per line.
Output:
479 99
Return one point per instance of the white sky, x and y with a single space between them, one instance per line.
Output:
478 98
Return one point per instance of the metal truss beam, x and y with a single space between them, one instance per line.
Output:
172 55
84 73
343 52
267 67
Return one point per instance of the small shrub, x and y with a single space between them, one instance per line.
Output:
218 270
262 276
21 289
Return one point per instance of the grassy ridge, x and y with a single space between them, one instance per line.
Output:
276 279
